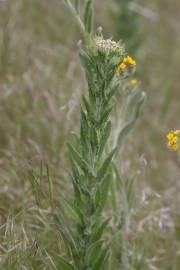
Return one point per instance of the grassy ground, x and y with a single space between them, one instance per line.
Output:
40 84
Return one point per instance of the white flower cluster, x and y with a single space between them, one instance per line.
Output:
108 45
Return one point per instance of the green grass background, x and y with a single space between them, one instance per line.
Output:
40 84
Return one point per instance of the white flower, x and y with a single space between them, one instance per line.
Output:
108 45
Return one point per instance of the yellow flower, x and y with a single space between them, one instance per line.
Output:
170 143
129 61
175 147
133 82
170 136
122 66
173 139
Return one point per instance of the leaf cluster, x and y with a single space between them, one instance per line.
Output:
91 166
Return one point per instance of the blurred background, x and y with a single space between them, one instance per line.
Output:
41 81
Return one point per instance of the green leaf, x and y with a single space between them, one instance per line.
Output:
120 182
80 161
75 171
98 230
102 193
88 107
64 265
37 189
72 212
77 189
94 138
50 184
125 131
94 250
130 194
99 263
88 16
84 142
84 123
105 136
85 60
106 164
112 92
105 115
65 231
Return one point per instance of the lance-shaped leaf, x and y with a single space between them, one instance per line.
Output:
105 115
84 141
84 125
102 193
64 265
88 16
77 191
99 229
112 92
65 231
101 259
94 251
106 164
131 194
73 212
86 63
125 131
104 137
93 137
80 161
89 110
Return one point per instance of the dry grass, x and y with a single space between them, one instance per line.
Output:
40 85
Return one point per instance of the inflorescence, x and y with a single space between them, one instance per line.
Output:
108 45
128 62
173 138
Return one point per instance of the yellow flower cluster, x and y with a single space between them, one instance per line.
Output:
173 138
127 61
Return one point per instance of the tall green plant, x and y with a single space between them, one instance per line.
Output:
105 65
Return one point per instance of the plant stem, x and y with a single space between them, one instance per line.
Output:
78 19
